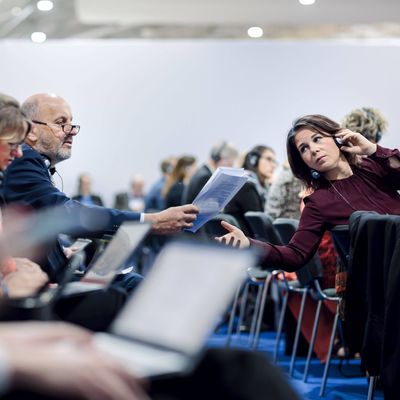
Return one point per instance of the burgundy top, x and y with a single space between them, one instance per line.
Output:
372 187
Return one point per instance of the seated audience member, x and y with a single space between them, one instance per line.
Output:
19 277
222 155
367 121
321 153
49 142
176 182
284 195
260 164
154 200
134 199
85 195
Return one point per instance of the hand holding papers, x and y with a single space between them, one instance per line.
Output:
217 193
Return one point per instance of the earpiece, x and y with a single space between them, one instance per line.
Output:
216 153
315 174
46 161
339 142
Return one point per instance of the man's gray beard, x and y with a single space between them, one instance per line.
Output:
62 154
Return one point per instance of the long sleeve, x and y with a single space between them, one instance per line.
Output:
383 167
27 181
302 246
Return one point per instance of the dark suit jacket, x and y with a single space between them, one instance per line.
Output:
95 199
196 183
27 181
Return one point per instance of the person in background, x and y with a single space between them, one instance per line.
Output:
284 195
222 155
179 178
19 277
259 163
154 200
367 121
85 195
134 199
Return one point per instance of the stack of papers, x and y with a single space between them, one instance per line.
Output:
217 193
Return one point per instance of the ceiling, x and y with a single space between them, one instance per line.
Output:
201 19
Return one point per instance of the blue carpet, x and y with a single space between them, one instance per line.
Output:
338 387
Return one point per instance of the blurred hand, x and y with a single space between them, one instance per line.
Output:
355 143
70 251
173 219
34 332
235 237
26 280
70 371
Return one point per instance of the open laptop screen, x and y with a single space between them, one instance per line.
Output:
111 261
188 288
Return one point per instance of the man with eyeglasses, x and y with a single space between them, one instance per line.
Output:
50 142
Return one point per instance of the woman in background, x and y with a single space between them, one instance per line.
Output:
260 164
175 183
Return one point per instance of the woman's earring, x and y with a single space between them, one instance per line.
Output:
315 174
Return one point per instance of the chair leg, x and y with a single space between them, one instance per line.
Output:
280 326
328 360
298 330
371 387
312 341
255 313
232 317
243 304
261 312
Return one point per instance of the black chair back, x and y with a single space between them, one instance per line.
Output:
214 228
286 228
313 269
262 228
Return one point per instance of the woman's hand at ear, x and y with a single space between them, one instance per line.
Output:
235 237
355 143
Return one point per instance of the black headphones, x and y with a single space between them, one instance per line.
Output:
216 153
253 158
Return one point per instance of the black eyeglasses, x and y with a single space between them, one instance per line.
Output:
66 128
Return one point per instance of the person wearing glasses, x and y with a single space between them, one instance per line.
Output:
260 164
19 277
49 142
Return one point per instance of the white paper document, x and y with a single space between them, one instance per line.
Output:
217 193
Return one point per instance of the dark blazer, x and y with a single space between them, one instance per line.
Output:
121 201
246 199
93 197
28 181
198 180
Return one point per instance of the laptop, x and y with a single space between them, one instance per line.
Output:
162 328
128 237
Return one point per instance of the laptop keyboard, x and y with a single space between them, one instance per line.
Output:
142 360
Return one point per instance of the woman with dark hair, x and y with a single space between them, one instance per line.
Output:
175 183
328 159
260 164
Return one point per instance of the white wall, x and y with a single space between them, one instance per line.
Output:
140 101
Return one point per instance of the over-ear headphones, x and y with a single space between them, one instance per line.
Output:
253 159
315 174
217 152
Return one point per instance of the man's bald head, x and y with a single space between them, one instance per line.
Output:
49 113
